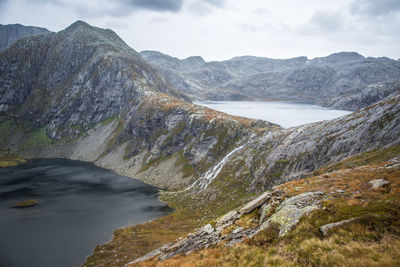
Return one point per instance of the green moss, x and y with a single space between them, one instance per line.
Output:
36 140
154 162
108 120
187 168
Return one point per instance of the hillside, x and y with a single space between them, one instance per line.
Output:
12 32
83 94
342 80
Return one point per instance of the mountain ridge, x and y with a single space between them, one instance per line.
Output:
343 75
83 94
11 32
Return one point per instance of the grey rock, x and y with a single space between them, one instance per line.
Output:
264 210
227 219
207 229
12 32
292 209
325 228
252 205
237 230
378 183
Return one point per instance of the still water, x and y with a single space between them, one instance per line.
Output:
79 206
286 114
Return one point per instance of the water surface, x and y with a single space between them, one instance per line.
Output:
286 114
79 207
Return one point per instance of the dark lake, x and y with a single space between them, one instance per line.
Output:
79 206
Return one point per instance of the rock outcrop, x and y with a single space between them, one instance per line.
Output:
287 214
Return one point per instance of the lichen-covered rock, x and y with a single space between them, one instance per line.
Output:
292 209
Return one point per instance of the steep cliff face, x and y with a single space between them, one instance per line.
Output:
324 80
12 32
72 79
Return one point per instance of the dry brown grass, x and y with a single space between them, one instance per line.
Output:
372 240
132 242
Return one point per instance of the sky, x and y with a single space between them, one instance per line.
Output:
222 29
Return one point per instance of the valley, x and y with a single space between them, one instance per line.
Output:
83 94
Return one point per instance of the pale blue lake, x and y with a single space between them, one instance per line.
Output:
286 114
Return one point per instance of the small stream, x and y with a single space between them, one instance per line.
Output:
79 206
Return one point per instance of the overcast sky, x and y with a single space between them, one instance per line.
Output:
222 29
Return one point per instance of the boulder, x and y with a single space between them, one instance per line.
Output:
325 228
292 209
378 183
252 205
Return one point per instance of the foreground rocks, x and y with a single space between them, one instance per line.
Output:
227 228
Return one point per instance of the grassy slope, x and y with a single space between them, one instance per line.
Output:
373 240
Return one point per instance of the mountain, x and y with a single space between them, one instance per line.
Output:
83 94
339 80
78 76
12 32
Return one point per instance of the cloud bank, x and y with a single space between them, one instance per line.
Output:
221 29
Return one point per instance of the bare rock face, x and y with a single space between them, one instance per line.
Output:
86 73
12 32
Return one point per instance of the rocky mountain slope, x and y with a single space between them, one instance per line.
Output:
72 79
61 93
83 94
340 80
12 32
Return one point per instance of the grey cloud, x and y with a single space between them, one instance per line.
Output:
217 3
329 21
158 5
375 7
204 7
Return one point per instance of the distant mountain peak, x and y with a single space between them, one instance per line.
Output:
340 57
12 32
78 23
